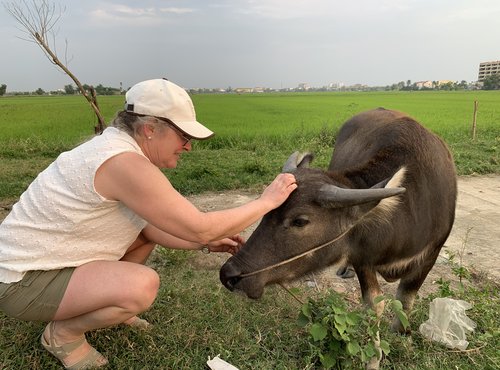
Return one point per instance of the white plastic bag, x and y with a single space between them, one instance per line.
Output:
448 324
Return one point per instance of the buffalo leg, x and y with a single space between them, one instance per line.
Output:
408 288
370 289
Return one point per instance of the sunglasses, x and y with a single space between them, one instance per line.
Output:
185 137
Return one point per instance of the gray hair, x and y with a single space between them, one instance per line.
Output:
132 123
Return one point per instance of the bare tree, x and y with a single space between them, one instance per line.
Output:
38 19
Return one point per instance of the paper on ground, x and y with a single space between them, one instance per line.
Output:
218 364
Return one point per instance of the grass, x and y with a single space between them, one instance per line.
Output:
482 351
194 316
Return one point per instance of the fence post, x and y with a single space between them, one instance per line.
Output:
474 121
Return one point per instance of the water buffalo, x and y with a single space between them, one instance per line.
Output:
386 205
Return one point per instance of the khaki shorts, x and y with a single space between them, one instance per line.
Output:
36 297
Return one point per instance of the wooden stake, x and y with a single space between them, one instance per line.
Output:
474 121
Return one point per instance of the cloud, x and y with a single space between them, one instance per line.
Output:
117 14
478 12
306 9
177 10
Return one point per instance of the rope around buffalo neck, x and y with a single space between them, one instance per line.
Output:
338 237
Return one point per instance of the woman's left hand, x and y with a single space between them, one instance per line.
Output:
230 245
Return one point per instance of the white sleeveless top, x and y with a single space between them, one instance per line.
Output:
61 221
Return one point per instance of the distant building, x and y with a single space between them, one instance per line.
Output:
303 86
243 90
444 82
487 69
424 84
336 85
358 87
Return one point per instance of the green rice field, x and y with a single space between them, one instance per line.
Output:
254 132
251 115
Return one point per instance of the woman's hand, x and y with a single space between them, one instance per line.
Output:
279 190
230 245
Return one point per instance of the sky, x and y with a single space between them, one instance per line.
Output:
256 43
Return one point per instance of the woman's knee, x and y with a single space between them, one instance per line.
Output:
153 283
102 284
146 288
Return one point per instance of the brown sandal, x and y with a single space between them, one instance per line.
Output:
90 360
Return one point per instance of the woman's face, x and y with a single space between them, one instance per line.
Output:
164 144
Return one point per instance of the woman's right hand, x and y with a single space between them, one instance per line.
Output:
279 190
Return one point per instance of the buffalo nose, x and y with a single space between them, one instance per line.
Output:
229 275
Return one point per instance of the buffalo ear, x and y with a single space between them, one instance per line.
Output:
297 160
392 182
381 184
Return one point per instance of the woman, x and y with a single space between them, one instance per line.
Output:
72 250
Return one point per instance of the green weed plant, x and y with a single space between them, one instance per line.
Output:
344 338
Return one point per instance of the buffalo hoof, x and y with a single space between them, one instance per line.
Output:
346 272
397 327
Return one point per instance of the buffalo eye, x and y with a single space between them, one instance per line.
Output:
300 222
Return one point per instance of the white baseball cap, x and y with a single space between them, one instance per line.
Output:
164 99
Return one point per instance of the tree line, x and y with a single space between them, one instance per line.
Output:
68 90
491 82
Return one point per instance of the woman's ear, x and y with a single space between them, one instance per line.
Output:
148 130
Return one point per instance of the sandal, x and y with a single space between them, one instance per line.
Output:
139 323
90 360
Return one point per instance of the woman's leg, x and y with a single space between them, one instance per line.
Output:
139 251
102 294
105 293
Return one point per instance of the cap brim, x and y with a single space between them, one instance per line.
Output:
194 129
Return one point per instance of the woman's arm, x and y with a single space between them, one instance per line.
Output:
157 236
133 180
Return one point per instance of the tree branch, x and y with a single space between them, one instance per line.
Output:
38 18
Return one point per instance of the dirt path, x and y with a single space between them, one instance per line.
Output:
477 223
475 237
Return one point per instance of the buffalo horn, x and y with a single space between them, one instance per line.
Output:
350 197
295 160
